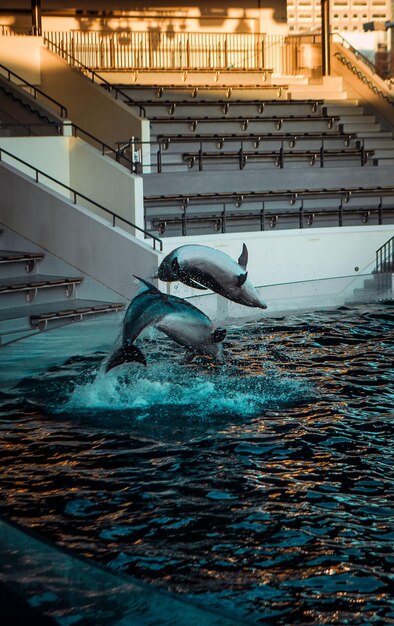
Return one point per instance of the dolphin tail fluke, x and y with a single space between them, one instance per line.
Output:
125 354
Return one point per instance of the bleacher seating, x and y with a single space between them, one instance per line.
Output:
179 214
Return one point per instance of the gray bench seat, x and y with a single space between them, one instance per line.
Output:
278 121
342 193
17 284
220 139
278 157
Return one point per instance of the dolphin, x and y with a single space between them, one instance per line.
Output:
178 319
203 267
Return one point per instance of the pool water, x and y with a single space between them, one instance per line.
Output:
262 489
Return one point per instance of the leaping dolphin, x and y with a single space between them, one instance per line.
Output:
178 319
203 267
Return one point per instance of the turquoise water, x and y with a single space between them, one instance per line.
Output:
262 489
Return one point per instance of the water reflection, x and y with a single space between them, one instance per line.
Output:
263 488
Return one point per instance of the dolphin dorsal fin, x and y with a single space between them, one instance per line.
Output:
243 259
150 287
241 279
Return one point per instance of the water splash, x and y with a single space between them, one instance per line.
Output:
193 391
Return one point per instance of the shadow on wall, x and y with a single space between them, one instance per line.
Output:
155 15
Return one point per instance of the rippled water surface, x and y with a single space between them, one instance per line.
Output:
263 488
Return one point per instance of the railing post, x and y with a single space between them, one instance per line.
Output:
241 156
301 213
184 220
200 157
322 153
262 216
281 151
159 159
340 214
362 154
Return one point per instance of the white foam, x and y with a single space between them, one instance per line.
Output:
201 393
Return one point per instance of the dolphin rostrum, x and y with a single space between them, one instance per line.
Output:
177 318
203 267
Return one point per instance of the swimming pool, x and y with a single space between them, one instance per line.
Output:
263 489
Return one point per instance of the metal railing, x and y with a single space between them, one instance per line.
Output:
279 157
63 52
157 50
31 129
183 211
357 72
359 55
23 129
75 195
385 268
6 29
33 90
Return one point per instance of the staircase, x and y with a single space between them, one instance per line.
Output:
380 285
32 300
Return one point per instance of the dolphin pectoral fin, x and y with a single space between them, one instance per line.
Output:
241 279
218 335
125 354
243 259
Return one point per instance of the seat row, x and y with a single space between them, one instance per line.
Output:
179 214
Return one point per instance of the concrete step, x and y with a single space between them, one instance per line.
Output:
345 109
375 134
317 93
19 322
358 127
375 143
385 161
358 119
13 261
16 290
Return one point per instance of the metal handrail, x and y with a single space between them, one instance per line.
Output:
28 126
279 155
77 194
87 70
385 267
359 55
218 219
105 148
63 110
237 198
361 75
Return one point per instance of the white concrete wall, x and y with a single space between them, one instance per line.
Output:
89 105
293 269
48 154
78 165
74 234
102 179
22 56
